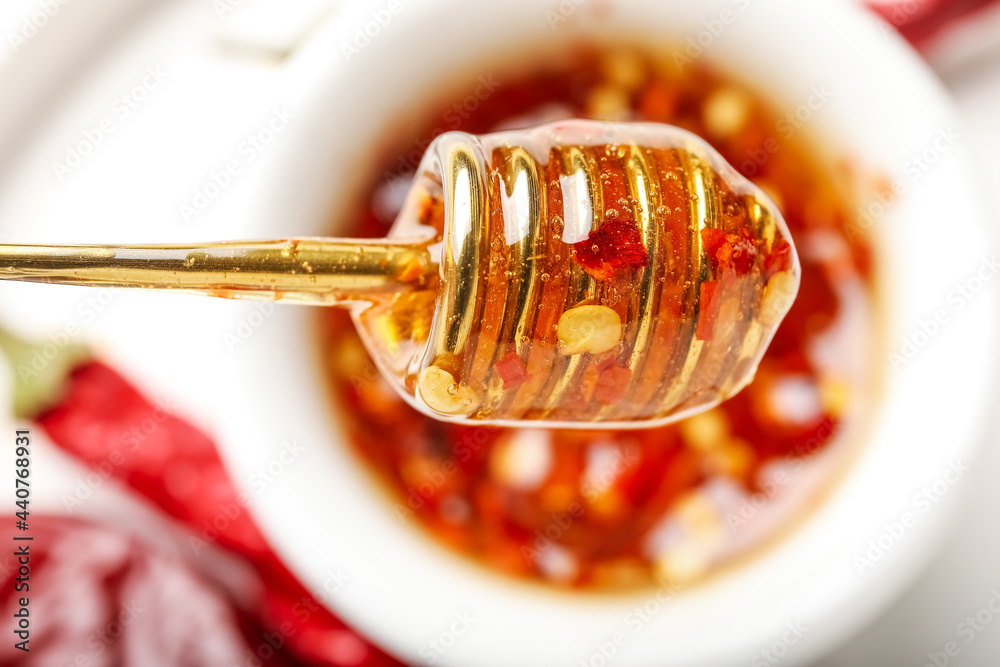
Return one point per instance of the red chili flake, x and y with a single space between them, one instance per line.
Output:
612 382
744 252
708 310
777 259
431 213
713 240
729 251
617 244
511 370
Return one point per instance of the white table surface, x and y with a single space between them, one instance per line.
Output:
222 78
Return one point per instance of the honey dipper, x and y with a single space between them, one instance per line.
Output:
577 274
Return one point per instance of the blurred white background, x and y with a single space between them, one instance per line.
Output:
166 92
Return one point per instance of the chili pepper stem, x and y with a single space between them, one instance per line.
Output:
39 374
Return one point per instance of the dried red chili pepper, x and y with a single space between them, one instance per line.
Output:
89 410
921 22
107 599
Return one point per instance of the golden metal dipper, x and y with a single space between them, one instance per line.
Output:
316 271
580 274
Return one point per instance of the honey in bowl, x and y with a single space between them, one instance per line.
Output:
614 509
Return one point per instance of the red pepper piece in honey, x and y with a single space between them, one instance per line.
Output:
617 244
612 383
736 252
431 213
708 310
777 260
713 240
511 370
743 252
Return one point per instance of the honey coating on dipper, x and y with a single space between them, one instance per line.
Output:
590 272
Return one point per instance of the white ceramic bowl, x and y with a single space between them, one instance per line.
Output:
325 513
